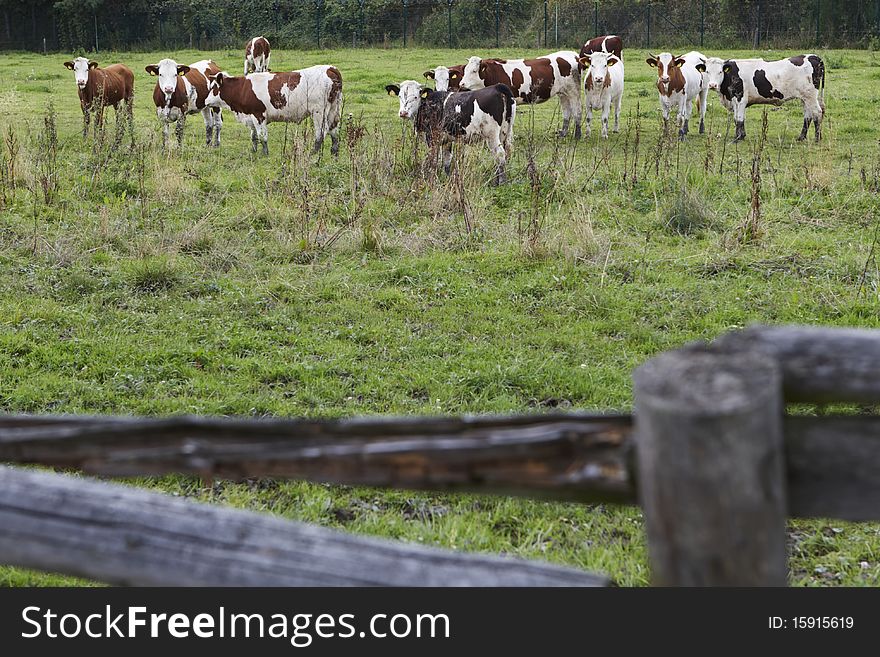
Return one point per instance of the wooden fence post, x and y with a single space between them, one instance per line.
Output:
711 477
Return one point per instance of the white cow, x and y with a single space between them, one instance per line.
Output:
446 78
603 87
259 99
681 81
741 83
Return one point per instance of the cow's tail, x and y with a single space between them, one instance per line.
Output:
509 102
335 95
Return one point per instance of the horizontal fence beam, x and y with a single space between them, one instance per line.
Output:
819 364
572 457
124 535
833 463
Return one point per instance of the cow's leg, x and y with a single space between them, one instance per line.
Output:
218 125
447 158
812 112
181 125
208 117
254 135
496 145
565 105
606 111
617 107
99 120
805 129
589 118
684 115
87 117
166 132
664 108
264 136
334 141
704 96
320 130
739 117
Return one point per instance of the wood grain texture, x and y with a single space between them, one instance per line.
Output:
818 364
833 466
571 457
124 535
711 478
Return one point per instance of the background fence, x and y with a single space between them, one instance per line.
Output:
69 25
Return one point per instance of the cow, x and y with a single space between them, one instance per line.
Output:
102 87
485 115
446 78
611 43
741 83
182 90
681 81
256 55
533 81
603 87
259 99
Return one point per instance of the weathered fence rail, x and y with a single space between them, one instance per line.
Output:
709 454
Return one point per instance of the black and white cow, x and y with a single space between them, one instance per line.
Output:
485 115
742 83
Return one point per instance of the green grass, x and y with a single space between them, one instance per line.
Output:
217 282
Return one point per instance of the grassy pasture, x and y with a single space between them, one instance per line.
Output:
217 282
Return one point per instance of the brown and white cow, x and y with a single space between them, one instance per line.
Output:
741 83
485 115
681 81
256 55
446 78
603 88
182 90
533 81
102 87
610 43
259 99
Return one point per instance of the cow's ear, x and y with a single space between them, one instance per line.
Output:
482 68
584 61
429 75
152 69
182 70
701 67
392 89
726 68
68 65
679 62
219 79
93 64
453 76
612 61
424 93
652 61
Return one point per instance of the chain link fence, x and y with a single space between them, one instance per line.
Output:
315 24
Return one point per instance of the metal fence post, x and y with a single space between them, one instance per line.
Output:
449 20
404 22
818 18
758 29
318 7
362 25
545 23
596 18
497 23
702 22
96 33
648 26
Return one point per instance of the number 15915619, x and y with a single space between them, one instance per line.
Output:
811 623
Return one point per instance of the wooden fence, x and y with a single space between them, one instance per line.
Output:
710 455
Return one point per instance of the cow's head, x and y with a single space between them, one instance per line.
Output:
598 63
167 71
410 94
665 63
445 79
215 84
715 72
81 67
474 74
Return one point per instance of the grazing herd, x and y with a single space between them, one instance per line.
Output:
474 101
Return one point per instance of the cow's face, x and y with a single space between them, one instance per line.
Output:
440 76
410 94
474 75
81 67
715 72
167 71
665 62
215 83
599 63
